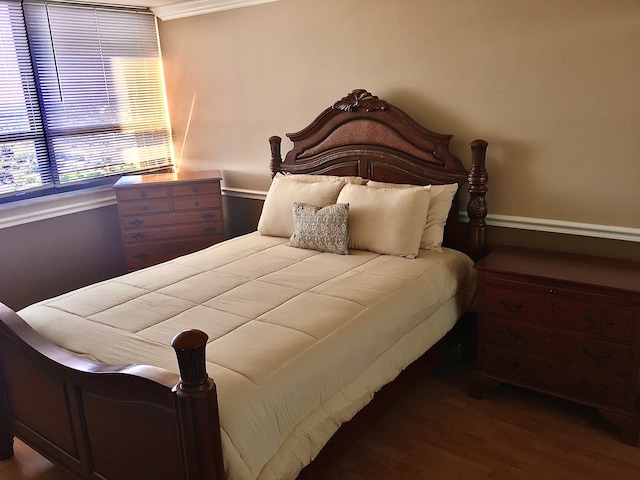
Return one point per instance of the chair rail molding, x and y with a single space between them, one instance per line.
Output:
190 8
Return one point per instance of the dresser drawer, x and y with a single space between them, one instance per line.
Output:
145 255
196 202
139 193
172 232
195 189
144 206
589 352
145 221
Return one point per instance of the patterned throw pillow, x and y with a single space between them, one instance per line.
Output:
323 229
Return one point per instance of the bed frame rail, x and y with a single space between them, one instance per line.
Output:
95 420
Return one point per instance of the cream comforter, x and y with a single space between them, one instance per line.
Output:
299 340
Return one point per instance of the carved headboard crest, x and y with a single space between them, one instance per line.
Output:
360 99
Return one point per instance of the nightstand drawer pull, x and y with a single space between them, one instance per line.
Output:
195 190
609 322
136 222
141 256
505 304
207 216
139 236
589 318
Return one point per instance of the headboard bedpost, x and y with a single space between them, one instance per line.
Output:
276 156
477 206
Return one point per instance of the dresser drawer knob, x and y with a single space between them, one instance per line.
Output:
141 256
609 322
606 355
207 216
586 351
517 336
553 291
589 318
197 204
195 190
143 194
139 236
136 222
584 382
501 332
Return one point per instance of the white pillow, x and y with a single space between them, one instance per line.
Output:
323 229
276 218
441 198
386 220
310 178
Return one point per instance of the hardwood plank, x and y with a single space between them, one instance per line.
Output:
437 431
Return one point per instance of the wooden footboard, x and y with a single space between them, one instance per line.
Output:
108 422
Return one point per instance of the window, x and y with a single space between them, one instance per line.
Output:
82 97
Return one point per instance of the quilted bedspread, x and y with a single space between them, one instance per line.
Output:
299 340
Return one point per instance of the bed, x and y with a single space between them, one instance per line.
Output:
307 326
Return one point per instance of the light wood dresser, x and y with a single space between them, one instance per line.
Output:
567 325
165 215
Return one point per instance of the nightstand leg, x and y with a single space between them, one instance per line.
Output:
628 427
479 383
6 445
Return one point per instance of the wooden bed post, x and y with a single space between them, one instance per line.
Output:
197 407
477 206
276 157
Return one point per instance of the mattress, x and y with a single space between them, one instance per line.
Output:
299 341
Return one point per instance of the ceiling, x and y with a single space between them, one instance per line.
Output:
171 9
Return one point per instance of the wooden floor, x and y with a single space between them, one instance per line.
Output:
437 432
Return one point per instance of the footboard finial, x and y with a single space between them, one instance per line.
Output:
189 346
276 157
197 404
477 206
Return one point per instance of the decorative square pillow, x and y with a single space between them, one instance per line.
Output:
323 229
276 219
441 198
386 220
310 178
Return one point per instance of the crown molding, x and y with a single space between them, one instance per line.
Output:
190 8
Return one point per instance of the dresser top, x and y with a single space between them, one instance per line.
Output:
160 178
587 270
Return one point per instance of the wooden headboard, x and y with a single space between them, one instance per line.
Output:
362 135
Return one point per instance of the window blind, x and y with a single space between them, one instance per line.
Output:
100 90
23 161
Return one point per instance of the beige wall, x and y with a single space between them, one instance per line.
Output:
552 85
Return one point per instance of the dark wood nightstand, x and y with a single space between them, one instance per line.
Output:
567 325
165 215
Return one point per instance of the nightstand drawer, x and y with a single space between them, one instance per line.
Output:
587 351
516 304
602 320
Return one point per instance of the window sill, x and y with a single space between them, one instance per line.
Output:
36 209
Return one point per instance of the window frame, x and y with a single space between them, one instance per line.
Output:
45 136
